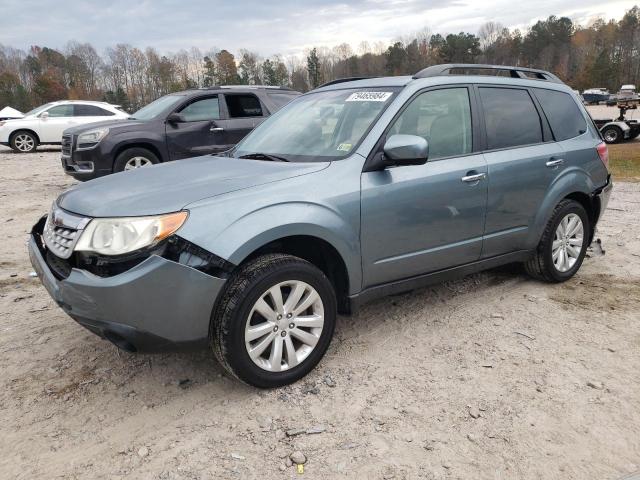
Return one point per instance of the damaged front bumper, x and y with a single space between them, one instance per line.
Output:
158 304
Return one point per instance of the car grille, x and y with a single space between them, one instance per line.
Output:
67 145
62 231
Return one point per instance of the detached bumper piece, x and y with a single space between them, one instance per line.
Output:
147 303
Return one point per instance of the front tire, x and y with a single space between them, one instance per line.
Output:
24 141
563 244
134 158
274 321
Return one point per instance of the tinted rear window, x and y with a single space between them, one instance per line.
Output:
563 114
511 118
91 111
243 106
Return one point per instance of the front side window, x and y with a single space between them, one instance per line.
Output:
443 118
61 111
511 118
240 106
563 114
91 111
320 126
200 110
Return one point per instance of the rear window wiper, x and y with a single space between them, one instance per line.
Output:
264 156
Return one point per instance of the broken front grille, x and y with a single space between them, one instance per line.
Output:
62 231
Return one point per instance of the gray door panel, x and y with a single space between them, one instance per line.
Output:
518 181
419 219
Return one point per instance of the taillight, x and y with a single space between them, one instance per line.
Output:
603 152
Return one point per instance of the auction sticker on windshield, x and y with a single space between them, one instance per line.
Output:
368 97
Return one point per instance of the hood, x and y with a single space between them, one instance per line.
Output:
114 126
8 112
170 187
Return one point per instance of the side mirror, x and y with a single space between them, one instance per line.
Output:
176 118
44 115
405 150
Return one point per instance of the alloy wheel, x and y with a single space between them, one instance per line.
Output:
137 162
24 142
567 243
284 326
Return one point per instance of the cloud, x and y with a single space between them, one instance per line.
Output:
286 27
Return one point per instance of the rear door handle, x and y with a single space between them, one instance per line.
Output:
555 163
474 178
216 129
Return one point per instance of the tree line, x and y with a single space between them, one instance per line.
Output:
601 54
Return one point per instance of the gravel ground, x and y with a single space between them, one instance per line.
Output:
493 376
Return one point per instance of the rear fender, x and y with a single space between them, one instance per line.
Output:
572 180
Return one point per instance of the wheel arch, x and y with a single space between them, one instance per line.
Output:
138 144
576 185
318 252
18 130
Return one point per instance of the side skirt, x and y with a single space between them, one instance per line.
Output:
413 283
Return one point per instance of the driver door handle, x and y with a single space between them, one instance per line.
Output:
216 129
474 178
554 163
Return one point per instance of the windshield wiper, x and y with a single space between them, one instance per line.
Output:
264 156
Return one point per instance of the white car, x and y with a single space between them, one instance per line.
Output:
45 124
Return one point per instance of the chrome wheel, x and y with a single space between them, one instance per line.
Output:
567 242
137 162
24 142
284 326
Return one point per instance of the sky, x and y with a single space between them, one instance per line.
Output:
286 27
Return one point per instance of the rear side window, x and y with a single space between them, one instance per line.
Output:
91 111
243 106
511 118
205 109
280 99
563 114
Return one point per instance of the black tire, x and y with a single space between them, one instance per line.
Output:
23 141
131 153
541 265
612 134
243 289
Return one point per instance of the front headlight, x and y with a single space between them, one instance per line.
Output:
116 236
91 138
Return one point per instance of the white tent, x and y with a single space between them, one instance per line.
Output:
8 112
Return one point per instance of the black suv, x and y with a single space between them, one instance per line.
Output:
180 125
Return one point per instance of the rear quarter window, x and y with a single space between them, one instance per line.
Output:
563 114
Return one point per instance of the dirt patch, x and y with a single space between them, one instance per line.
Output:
492 376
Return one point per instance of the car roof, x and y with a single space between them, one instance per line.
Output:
82 102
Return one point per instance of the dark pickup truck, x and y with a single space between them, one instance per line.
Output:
180 125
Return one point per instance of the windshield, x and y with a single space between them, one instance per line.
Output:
156 107
318 126
37 110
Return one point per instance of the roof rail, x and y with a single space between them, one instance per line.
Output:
343 80
250 87
481 69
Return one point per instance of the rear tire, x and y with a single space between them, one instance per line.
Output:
612 134
247 317
23 141
134 158
554 246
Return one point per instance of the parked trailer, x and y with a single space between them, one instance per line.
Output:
620 129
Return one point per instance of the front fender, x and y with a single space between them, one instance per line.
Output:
263 225
571 180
